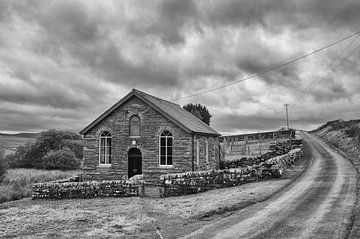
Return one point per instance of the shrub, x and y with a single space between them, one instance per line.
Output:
32 155
63 159
3 166
353 131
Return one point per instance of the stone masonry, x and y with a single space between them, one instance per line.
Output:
152 123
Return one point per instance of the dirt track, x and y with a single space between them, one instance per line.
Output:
318 205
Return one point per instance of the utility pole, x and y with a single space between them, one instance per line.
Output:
287 116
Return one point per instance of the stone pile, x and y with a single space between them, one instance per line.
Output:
280 147
296 143
88 189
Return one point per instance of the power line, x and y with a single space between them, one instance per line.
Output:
353 51
269 70
313 85
302 93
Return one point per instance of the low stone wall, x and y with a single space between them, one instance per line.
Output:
275 167
89 189
276 149
170 184
194 182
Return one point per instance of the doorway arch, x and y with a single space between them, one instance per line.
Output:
134 162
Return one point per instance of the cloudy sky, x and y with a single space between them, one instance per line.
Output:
62 63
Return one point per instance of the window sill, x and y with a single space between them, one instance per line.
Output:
104 165
166 166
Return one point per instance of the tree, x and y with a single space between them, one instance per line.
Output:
63 159
199 111
32 155
22 158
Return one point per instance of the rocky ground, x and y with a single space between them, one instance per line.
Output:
133 217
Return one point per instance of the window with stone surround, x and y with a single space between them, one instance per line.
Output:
105 148
207 151
166 146
134 126
197 152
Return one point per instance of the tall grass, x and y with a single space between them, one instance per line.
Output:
18 182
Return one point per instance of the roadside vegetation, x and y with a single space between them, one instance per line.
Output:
345 137
17 183
53 155
3 166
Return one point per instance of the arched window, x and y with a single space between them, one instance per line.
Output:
134 125
166 144
105 148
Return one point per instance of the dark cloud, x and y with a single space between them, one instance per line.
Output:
330 90
174 15
63 62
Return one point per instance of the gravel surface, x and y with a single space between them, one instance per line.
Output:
318 205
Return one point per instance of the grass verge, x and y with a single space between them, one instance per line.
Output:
18 182
350 150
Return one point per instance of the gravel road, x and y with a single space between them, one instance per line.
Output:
317 205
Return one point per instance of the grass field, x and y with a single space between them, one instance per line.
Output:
18 182
133 217
10 143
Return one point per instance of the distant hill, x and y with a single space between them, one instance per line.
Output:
9 142
22 135
336 125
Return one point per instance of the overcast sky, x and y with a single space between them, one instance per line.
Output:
62 63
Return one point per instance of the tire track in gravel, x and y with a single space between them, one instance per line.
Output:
317 205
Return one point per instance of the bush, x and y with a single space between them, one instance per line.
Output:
353 131
63 159
32 155
3 166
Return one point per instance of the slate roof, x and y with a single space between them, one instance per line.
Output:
170 110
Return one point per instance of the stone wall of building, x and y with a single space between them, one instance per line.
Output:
152 123
208 153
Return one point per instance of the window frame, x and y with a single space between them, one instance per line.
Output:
207 151
166 137
130 126
198 152
108 160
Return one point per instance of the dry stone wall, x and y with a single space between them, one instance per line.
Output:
277 148
170 184
194 182
88 189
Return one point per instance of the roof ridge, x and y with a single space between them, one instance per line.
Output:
174 112
205 124
142 92
184 110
